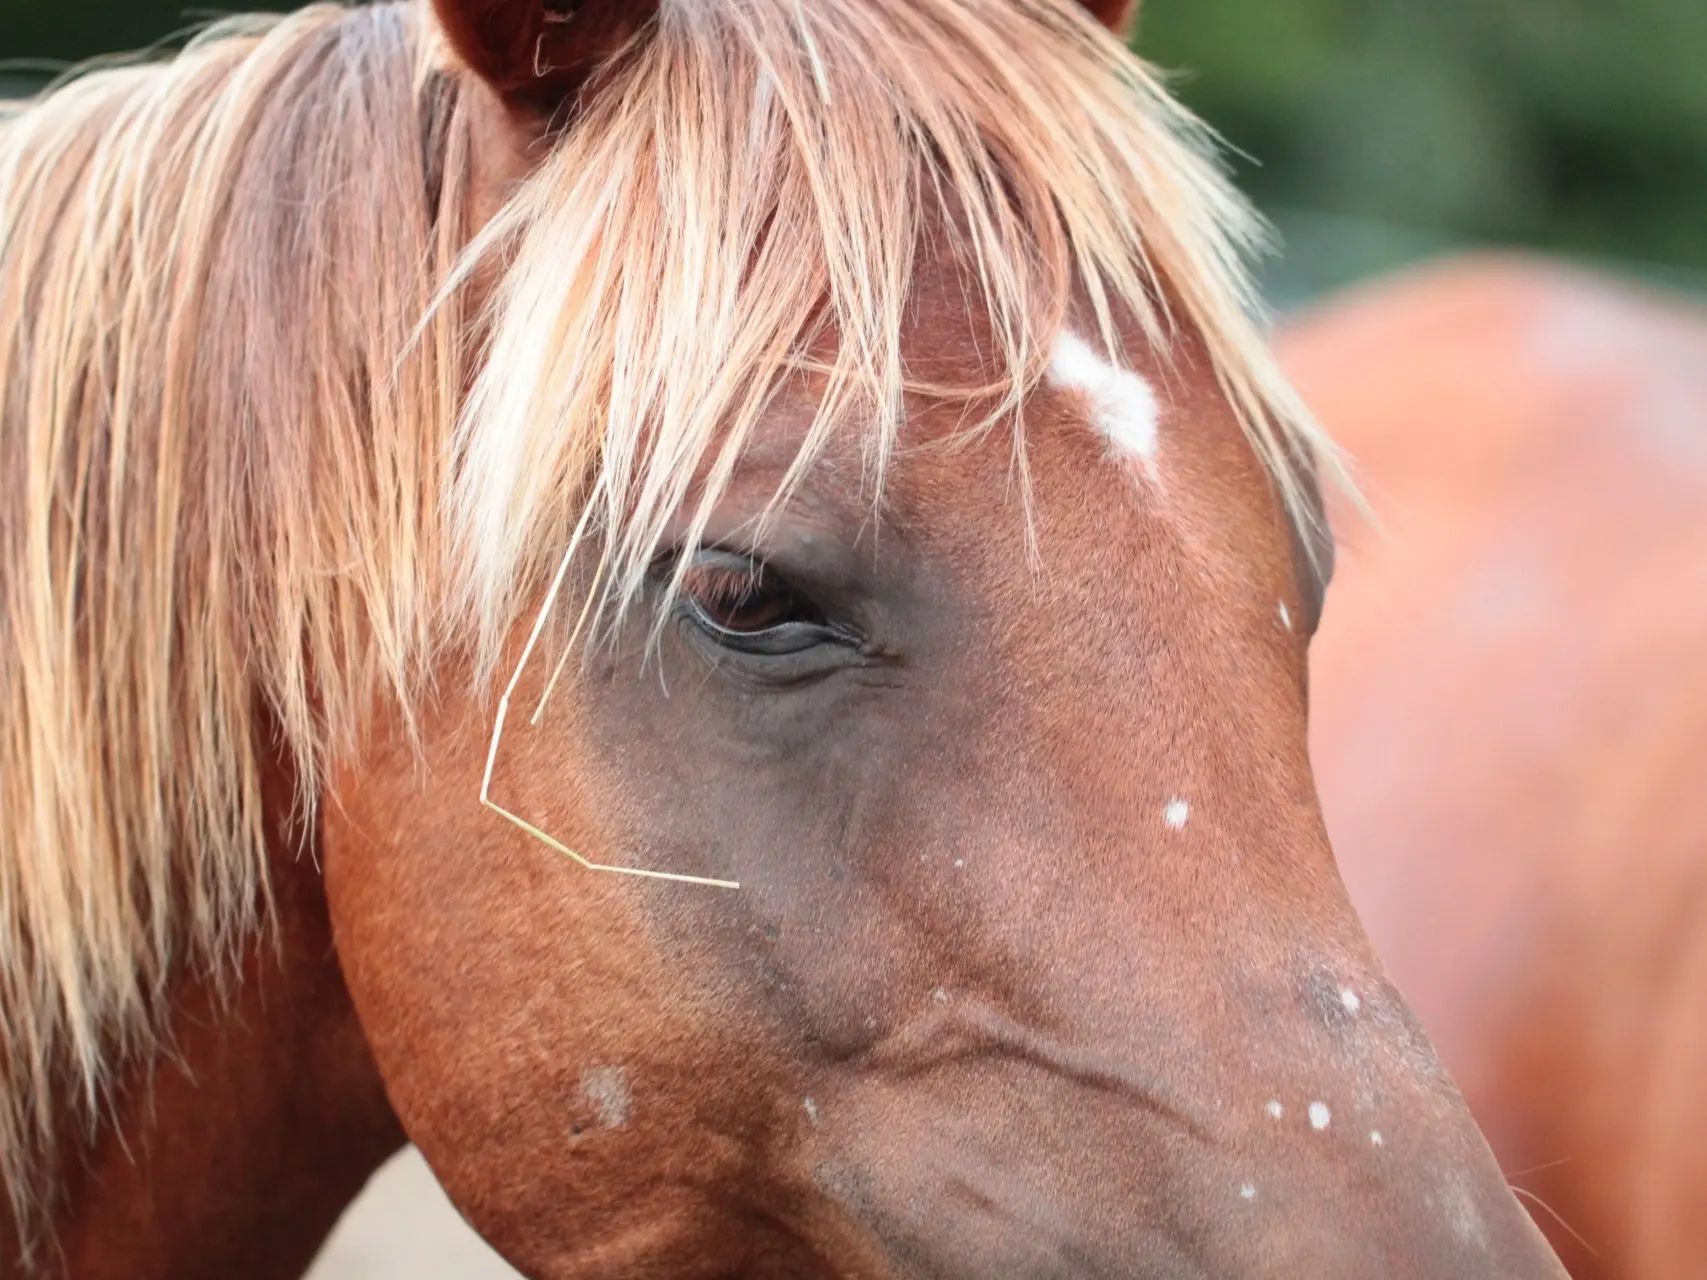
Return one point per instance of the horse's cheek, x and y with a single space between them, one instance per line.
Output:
555 1064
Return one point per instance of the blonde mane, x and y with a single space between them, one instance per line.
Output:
243 498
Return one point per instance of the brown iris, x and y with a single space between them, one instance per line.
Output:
743 597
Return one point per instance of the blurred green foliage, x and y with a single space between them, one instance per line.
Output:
1573 124
1377 126
36 34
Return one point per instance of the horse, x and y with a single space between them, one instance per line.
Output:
701 607
1510 711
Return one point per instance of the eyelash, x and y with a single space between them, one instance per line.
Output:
718 588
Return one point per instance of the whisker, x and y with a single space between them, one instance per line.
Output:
1557 1217
1537 1168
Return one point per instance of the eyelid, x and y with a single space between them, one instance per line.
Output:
718 561
715 560
759 643
712 624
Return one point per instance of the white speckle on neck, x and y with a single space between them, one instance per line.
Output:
1320 1116
811 1111
606 1089
1124 406
1285 616
1274 1109
1350 1000
1248 1192
1375 1138
1176 813
940 996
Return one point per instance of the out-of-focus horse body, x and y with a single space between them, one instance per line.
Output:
1509 719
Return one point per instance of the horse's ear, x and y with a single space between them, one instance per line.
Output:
1116 15
537 54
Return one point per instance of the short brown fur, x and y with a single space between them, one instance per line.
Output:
1511 714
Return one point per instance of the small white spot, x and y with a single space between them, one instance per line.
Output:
1319 1116
1274 1109
1247 1192
1375 1138
1458 1198
960 862
1176 813
1350 1000
811 1111
1125 411
606 1089
940 996
1285 616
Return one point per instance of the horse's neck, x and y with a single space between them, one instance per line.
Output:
235 1154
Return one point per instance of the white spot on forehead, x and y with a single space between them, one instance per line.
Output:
1247 1192
1176 813
1124 405
1274 1109
811 1111
1319 1116
606 1088
1375 1138
1350 1000
1285 616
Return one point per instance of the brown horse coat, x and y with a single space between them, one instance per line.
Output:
945 526
1510 719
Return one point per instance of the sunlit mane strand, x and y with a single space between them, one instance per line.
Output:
756 177
231 375
219 476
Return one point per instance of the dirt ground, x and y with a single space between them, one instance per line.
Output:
403 1228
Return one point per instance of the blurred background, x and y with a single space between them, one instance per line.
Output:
1372 132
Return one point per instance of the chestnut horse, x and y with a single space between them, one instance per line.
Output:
1511 719
759 547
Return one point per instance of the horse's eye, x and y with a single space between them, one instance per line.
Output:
743 605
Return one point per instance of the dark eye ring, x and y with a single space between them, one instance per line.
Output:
742 604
